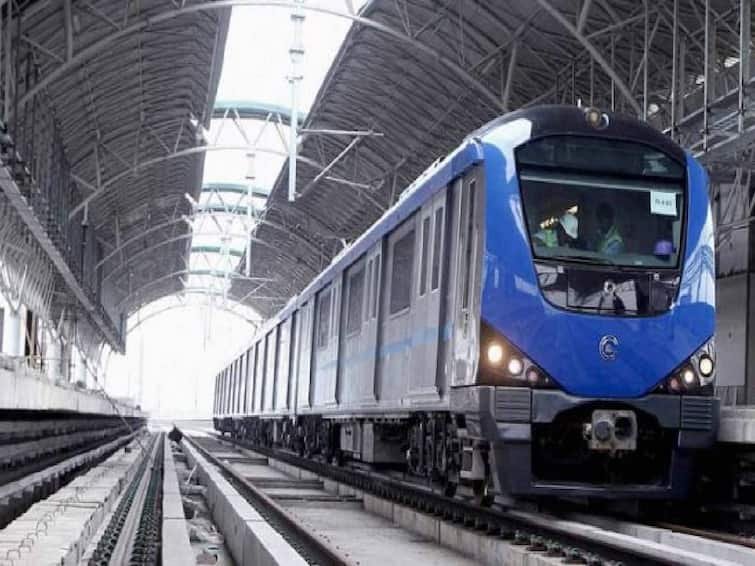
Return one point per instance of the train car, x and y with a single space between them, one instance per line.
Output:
535 316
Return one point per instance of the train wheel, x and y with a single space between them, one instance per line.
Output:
449 488
483 493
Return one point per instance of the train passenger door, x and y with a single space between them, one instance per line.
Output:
259 382
352 347
282 372
305 355
367 391
249 380
397 322
271 341
467 233
335 342
242 382
235 387
326 346
423 376
294 361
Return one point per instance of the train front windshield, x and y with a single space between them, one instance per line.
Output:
593 201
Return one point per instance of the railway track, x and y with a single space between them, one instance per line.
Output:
313 549
20 457
23 486
555 540
133 534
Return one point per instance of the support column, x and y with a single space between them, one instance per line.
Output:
15 332
735 302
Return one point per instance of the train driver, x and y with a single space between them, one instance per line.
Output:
564 233
610 241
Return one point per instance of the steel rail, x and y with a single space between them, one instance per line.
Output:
307 544
541 534
708 534
128 534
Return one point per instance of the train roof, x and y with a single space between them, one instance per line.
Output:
432 180
554 119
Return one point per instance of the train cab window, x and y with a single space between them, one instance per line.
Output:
425 252
578 210
355 293
323 319
437 249
401 273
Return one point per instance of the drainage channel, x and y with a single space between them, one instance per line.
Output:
187 516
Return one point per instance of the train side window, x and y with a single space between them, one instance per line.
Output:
468 246
335 310
401 273
425 252
437 248
223 393
370 291
323 319
355 294
375 286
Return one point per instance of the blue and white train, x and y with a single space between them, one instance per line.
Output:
535 316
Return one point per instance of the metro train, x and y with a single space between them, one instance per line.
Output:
534 316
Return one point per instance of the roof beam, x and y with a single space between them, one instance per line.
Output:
593 51
106 185
144 23
68 22
178 273
252 322
582 20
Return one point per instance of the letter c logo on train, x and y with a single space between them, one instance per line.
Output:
608 347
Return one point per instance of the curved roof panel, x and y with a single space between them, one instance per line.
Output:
424 74
125 89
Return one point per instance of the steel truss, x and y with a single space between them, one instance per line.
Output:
421 73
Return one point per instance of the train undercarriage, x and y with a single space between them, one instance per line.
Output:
433 446
493 446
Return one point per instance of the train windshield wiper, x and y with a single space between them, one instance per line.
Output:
590 260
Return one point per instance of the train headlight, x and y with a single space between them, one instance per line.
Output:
515 366
695 374
704 361
706 365
502 363
495 354
596 118
689 378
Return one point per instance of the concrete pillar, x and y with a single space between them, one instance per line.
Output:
14 331
4 313
67 360
735 304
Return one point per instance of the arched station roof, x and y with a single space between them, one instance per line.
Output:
112 101
425 73
93 93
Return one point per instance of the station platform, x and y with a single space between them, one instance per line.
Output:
737 424
24 389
